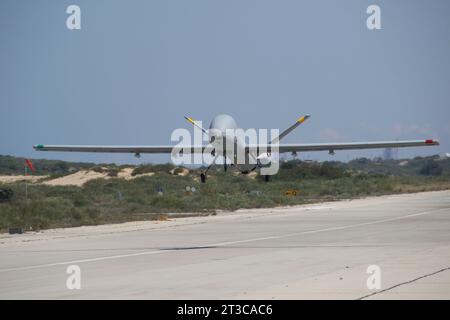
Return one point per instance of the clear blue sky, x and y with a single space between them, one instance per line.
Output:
136 67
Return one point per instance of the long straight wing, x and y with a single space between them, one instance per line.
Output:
331 147
118 149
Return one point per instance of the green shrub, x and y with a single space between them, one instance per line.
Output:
431 168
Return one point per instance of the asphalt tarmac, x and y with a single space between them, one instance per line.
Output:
320 251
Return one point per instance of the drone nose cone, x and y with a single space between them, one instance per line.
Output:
222 122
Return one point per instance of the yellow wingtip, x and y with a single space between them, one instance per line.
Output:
302 119
189 119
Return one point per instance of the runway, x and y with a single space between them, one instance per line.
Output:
319 251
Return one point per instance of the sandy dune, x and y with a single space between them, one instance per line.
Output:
126 174
76 179
12 179
179 172
81 177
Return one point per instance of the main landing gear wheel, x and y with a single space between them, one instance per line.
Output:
203 177
266 178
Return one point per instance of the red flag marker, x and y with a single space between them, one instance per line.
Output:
30 165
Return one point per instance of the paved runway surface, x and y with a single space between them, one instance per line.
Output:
306 252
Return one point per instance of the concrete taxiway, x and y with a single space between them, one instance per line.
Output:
317 251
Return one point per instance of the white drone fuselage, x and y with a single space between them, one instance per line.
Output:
226 142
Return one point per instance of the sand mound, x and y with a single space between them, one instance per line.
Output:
12 179
126 174
77 179
81 177
252 175
148 174
179 172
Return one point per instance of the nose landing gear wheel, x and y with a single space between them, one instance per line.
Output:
203 178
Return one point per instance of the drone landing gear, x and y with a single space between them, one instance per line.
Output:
203 174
